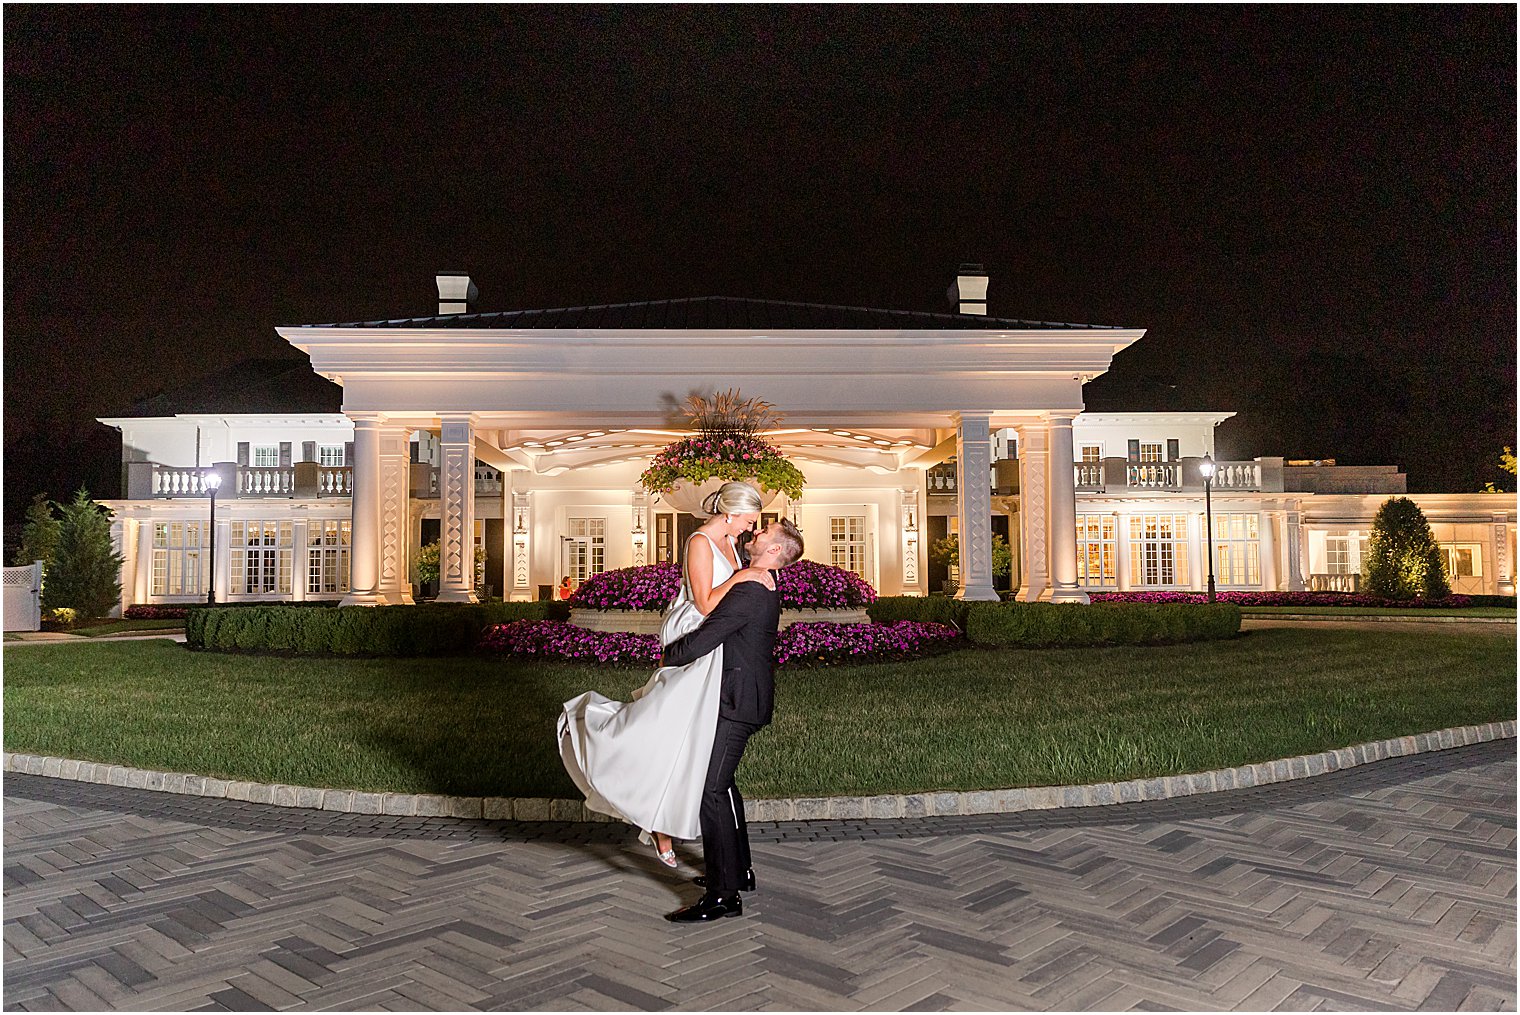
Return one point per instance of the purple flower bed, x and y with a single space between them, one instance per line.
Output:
650 587
800 644
805 585
821 644
1282 599
555 639
149 611
809 585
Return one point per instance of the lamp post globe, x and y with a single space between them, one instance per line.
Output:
1206 469
213 481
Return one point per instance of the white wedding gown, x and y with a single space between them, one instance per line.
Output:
645 761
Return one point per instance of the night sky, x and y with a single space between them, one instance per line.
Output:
1312 210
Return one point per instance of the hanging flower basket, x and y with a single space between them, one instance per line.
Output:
726 447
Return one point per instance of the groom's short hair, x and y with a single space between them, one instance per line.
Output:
790 541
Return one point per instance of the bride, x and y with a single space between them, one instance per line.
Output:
644 761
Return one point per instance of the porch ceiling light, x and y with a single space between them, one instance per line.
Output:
554 444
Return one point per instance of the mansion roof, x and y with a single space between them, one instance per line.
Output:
715 313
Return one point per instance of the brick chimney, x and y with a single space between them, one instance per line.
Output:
968 292
455 292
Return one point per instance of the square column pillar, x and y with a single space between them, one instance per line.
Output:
1295 550
456 497
1063 511
143 577
973 467
520 520
1034 509
1122 577
395 517
1504 561
911 513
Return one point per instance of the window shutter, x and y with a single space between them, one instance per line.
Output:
1173 450
284 454
308 451
243 454
1134 452
348 454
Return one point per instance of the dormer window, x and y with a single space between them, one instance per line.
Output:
1151 452
1092 454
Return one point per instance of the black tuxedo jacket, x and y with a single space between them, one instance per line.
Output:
744 623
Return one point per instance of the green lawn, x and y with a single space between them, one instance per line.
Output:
967 720
105 628
1505 612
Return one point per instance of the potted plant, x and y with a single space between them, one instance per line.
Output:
427 569
948 551
727 446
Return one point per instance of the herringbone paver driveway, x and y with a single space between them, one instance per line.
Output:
1390 886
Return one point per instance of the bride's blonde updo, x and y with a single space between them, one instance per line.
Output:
733 498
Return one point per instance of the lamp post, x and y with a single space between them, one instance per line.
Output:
1206 469
213 480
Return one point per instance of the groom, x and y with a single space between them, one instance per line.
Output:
744 623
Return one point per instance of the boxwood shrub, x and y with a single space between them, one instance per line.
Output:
1046 625
925 609
423 630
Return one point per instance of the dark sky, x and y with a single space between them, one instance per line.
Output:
1312 210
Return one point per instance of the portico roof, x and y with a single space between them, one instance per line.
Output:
706 313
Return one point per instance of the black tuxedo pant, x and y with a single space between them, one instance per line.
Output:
725 837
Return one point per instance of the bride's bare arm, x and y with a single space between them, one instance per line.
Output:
699 568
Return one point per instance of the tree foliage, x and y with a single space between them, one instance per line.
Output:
39 533
1403 559
86 569
948 551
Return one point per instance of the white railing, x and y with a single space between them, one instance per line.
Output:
172 482
1154 476
335 482
264 482
1089 476
487 481
940 479
1237 476
1334 582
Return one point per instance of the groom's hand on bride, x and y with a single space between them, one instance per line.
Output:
750 574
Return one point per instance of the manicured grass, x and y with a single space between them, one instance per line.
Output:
1367 611
109 627
970 719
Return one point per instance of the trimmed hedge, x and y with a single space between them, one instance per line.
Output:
423 630
924 609
1045 625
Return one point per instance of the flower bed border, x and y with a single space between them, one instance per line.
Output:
909 805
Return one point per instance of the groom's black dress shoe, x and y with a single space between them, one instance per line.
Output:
746 883
708 908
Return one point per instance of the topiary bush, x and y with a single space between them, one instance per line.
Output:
425 630
1403 558
1051 625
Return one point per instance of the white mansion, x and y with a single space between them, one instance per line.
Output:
524 433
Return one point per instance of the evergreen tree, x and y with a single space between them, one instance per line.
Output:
1403 558
86 570
39 534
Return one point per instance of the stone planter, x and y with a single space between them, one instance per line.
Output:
687 497
648 621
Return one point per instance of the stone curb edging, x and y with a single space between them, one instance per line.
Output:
1244 615
912 805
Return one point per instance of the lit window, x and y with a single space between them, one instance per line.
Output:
1151 453
1463 560
587 548
177 563
1158 549
266 456
327 556
1237 548
330 456
1097 549
1092 454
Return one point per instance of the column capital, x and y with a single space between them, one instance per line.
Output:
367 419
1060 417
457 428
962 416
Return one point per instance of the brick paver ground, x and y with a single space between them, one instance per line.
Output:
1389 886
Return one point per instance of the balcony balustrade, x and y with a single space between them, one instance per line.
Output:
335 482
169 481
1335 582
254 481
1089 477
1237 476
940 478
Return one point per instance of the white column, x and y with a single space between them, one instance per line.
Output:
1063 511
1268 550
973 467
300 557
1034 505
1200 552
1295 552
395 517
456 495
143 583
364 554
1122 575
1504 563
223 559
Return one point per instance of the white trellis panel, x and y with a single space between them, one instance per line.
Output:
23 598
